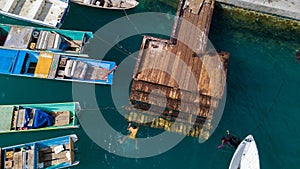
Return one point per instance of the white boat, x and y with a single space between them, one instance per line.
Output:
49 13
108 4
246 155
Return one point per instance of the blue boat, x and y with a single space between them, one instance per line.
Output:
55 66
49 13
43 39
52 153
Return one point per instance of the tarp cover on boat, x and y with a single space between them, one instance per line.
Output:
41 119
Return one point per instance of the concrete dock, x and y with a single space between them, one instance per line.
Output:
285 8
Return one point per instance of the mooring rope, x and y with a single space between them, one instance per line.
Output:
110 44
136 29
270 109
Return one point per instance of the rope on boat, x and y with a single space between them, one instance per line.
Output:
132 23
110 44
109 72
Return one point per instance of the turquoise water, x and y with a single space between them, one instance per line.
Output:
262 96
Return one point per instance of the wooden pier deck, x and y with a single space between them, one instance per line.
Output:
178 83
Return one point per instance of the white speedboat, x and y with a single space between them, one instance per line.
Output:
246 155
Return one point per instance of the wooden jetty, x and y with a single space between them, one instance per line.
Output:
178 83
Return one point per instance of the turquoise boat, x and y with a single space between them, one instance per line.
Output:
49 13
43 39
37 117
55 66
52 153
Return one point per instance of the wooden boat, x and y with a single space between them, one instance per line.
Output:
108 4
37 38
49 13
55 66
36 117
57 152
246 155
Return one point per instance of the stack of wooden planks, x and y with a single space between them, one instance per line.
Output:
62 118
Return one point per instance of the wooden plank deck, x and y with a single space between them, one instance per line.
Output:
48 156
190 78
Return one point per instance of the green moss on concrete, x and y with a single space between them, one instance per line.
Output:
260 22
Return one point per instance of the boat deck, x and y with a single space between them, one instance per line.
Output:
189 77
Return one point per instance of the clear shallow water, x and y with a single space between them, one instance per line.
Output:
262 97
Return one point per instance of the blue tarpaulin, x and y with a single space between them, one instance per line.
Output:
41 118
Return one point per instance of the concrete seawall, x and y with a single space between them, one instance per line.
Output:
284 8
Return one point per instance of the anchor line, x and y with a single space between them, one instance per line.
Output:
110 44
136 29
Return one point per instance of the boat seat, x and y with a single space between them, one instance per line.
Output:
75 69
32 9
80 70
18 160
48 40
21 118
30 159
10 5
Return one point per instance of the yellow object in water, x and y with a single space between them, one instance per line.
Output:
43 65
133 132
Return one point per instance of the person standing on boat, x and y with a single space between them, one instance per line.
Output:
230 141
133 129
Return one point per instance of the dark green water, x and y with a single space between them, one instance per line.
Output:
262 97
